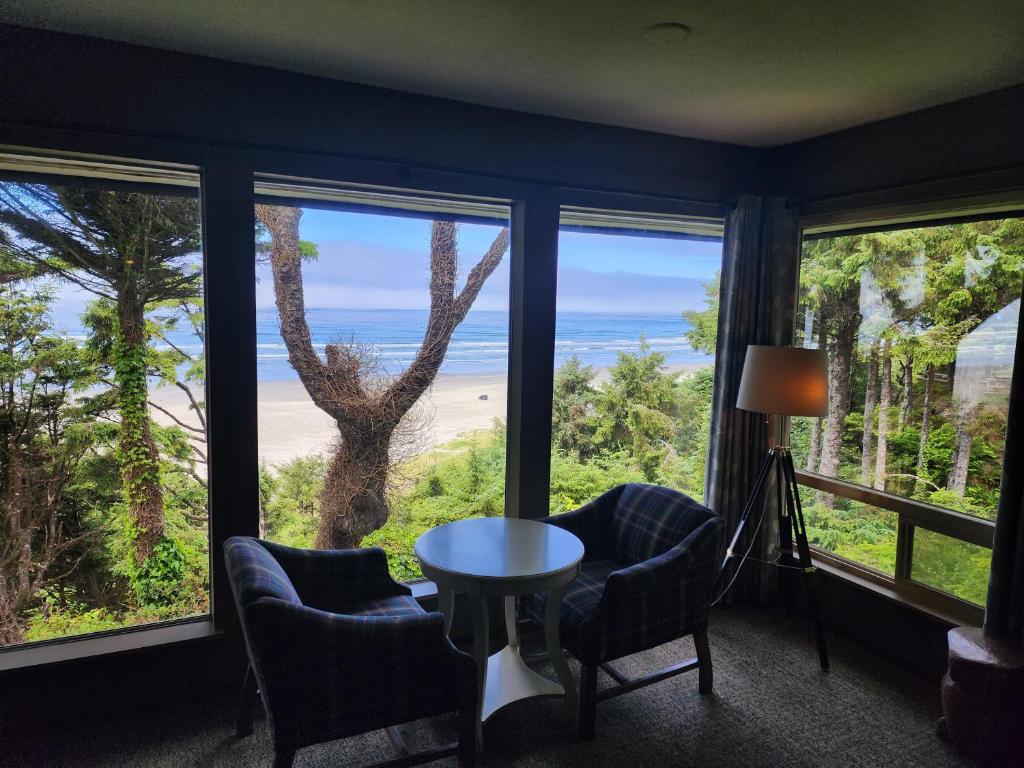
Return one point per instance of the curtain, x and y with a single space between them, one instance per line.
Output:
757 305
1004 615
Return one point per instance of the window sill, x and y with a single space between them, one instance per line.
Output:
98 645
970 615
423 589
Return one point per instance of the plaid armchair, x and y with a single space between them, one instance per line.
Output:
652 560
337 648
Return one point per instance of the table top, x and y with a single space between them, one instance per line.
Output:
499 548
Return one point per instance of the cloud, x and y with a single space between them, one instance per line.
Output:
584 291
363 276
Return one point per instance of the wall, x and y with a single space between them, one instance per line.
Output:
969 146
58 80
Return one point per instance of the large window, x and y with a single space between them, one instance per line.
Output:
920 325
103 500
636 323
382 324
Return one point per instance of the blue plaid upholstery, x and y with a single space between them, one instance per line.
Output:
651 519
403 605
255 573
623 603
332 580
377 660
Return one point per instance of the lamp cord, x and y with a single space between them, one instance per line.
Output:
750 547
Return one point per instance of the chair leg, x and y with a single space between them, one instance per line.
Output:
283 758
246 705
588 701
705 673
467 736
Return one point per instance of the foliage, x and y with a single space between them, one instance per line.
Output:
573 412
703 333
636 408
79 440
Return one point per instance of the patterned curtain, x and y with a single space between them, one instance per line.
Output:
757 306
1004 616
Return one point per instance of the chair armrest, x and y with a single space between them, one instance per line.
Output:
700 551
591 523
333 578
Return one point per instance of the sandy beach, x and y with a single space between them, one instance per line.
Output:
290 425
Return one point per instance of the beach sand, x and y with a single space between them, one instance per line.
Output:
291 426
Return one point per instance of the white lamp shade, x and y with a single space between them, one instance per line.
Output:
784 381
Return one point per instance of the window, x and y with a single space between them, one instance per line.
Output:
103 498
636 323
382 336
920 324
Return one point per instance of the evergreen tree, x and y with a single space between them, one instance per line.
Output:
131 249
573 412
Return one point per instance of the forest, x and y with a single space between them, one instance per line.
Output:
920 326
104 505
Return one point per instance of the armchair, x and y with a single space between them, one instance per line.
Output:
337 648
651 563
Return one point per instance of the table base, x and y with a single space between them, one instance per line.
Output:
509 679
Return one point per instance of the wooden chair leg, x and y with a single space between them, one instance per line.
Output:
588 701
705 673
283 758
467 736
246 705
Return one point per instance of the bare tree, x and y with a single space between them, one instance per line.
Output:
366 406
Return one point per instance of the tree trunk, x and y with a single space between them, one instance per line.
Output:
840 367
137 454
870 397
961 451
908 393
884 404
10 624
926 424
814 449
355 488
354 501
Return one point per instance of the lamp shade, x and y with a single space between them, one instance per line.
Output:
784 381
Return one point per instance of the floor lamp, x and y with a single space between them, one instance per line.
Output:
783 381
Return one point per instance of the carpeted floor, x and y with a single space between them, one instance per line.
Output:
771 707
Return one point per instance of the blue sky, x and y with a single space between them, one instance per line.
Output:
381 262
373 261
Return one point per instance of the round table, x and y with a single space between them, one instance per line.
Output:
504 557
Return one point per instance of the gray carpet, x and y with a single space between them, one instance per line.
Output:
771 707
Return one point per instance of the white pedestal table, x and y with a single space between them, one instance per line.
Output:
503 557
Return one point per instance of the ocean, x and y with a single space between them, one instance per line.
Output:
480 343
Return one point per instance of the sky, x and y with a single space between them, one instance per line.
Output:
377 261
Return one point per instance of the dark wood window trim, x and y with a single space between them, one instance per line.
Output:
227 195
911 514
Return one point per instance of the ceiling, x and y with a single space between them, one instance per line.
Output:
755 73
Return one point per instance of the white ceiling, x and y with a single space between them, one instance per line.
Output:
757 73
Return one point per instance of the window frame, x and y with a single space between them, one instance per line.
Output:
698 226
48 166
910 513
227 197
